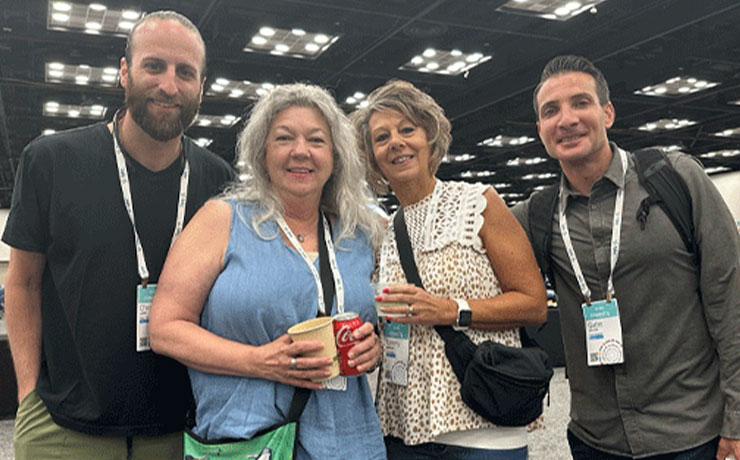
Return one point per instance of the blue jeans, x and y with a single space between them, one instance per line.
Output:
582 451
397 450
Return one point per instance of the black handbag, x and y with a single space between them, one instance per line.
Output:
505 385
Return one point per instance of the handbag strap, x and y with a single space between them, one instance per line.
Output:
301 395
408 263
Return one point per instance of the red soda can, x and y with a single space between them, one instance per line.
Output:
344 325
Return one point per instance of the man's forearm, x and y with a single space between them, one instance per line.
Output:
23 320
23 316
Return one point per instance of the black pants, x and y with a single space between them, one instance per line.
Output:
582 451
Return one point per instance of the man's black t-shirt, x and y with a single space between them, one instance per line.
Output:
68 205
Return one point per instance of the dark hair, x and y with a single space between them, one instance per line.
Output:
566 64
164 16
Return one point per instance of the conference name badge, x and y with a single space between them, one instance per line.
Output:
144 296
396 353
603 333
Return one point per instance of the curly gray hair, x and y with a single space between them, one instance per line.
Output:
345 195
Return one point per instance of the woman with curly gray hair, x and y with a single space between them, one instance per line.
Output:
246 269
478 271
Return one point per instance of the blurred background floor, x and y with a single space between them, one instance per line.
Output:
544 444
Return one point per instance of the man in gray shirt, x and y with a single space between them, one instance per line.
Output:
651 330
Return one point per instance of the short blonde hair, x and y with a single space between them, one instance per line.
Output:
414 104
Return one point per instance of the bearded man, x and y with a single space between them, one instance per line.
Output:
93 215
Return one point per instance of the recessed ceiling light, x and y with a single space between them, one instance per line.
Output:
716 169
130 15
560 10
721 154
666 124
733 132
93 18
81 74
461 158
296 42
541 176
216 121
61 6
452 62
203 141
48 131
60 17
240 89
55 109
501 141
676 86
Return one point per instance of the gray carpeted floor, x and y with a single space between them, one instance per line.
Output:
545 444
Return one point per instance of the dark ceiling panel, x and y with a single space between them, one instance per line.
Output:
635 42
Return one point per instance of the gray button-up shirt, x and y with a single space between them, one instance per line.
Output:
679 385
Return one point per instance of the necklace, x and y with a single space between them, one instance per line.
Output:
300 238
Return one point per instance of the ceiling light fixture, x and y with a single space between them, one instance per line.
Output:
444 62
83 74
666 124
676 86
296 43
94 18
558 10
502 141
238 89
217 121
721 154
55 109
732 132
203 141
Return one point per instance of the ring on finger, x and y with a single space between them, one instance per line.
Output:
411 310
293 364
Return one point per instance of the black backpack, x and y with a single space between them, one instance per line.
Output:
664 185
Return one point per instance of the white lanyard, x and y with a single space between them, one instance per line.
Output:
338 286
128 202
616 232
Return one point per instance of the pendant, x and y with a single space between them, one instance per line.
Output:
300 238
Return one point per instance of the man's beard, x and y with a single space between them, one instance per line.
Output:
159 128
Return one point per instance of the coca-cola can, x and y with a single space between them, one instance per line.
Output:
344 325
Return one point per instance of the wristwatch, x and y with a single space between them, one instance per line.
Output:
464 315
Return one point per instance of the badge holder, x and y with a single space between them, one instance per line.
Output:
603 333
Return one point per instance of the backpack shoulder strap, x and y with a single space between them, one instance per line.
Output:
542 207
667 189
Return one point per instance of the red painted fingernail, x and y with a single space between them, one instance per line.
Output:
386 290
379 298
388 318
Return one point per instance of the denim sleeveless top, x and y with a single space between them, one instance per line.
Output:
266 287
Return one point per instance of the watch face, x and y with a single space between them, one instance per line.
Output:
464 318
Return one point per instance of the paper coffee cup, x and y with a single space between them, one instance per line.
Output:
378 289
321 330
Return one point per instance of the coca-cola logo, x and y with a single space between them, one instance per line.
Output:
344 335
